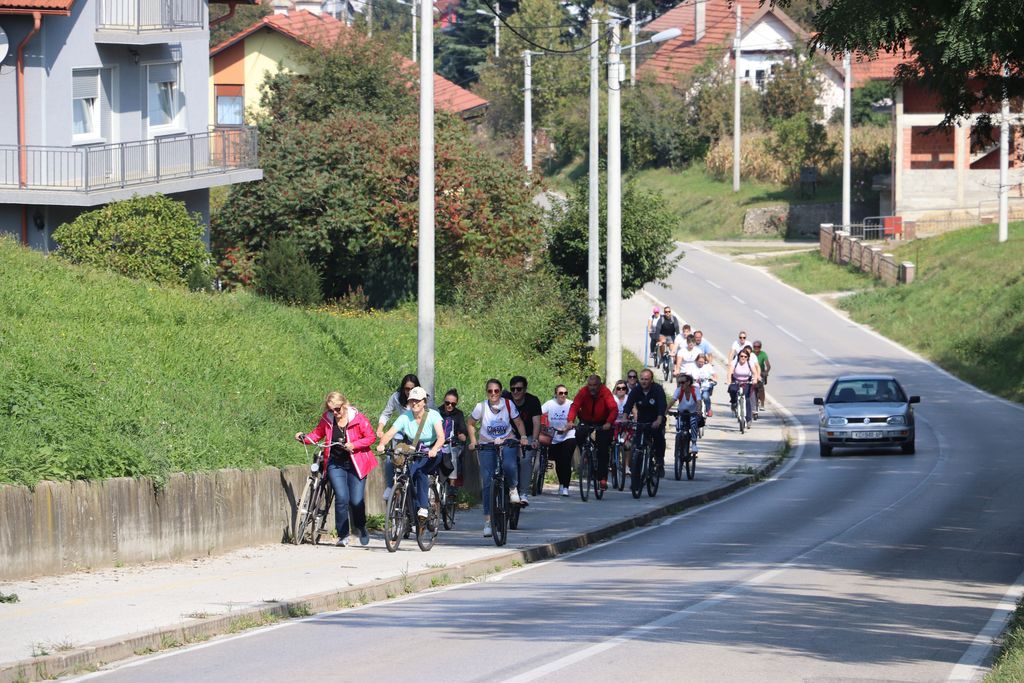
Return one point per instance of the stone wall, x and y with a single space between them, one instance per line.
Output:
839 247
800 221
60 527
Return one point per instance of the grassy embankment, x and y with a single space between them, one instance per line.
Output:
708 209
103 376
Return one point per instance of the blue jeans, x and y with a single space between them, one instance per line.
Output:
420 470
348 490
488 453
705 395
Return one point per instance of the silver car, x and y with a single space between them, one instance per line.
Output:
866 411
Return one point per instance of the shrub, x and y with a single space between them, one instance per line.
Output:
800 141
152 238
284 273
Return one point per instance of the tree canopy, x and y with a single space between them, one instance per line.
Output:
958 47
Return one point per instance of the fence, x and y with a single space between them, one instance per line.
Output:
141 16
98 167
843 248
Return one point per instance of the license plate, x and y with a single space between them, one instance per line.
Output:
867 435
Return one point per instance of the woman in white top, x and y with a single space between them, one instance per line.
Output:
689 409
686 358
563 438
743 371
705 381
496 415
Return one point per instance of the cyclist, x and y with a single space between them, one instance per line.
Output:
563 438
529 410
701 343
455 434
668 326
705 381
348 462
496 416
737 345
686 358
652 331
647 404
620 392
631 378
396 403
742 372
689 408
595 407
765 365
423 425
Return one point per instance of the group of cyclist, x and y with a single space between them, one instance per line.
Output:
507 424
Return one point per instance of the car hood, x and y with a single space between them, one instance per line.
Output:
862 409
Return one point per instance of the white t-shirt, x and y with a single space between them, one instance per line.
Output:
705 373
688 359
558 418
495 425
738 345
690 401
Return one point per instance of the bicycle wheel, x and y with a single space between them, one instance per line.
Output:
447 506
304 510
426 532
691 465
666 364
741 411
499 512
513 515
540 468
613 465
641 457
621 467
596 478
585 469
395 521
653 477
323 508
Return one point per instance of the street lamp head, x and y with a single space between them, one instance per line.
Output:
667 34
484 12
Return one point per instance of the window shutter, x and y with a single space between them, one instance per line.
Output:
85 83
163 73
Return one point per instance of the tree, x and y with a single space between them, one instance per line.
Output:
284 273
462 50
647 227
800 141
957 47
793 88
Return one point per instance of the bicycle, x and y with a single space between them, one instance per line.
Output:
711 384
644 471
540 469
685 460
501 505
314 504
446 491
588 463
618 459
741 405
399 521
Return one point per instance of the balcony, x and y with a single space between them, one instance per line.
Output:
97 174
146 22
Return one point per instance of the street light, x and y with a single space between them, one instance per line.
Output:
613 288
497 30
425 253
413 10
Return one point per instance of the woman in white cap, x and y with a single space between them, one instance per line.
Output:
423 426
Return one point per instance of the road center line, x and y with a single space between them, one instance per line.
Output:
785 331
760 314
739 300
713 284
687 270
823 357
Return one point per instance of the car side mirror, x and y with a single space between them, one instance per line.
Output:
914 399
819 401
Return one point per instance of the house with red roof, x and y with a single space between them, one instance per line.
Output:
239 64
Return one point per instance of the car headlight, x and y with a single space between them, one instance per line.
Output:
897 420
836 421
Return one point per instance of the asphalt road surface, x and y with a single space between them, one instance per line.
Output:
862 566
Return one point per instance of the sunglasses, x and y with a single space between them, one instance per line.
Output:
742 337
338 409
518 389
562 393
620 388
630 376
450 404
493 391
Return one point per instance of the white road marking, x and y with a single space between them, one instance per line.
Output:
713 284
784 330
739 299
687 270
760 314
823 357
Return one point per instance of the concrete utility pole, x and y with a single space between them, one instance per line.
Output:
1004 165
415 52
736 109
369 19
528 110
847 118
594 241
425 284
497 36
632 50
613 269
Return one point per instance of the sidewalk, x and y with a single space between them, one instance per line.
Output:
79 621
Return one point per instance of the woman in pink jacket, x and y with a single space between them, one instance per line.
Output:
349 460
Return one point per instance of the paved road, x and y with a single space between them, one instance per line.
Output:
856 567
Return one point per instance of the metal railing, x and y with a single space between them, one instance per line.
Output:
141 16
100 167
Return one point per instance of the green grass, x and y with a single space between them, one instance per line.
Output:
810 273
1009 665
103 376
965 310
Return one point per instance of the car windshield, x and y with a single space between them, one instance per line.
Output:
866 391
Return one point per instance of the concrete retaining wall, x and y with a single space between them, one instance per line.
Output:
62 527
839 247
800 221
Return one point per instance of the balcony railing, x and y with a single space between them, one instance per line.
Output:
102 167
141 16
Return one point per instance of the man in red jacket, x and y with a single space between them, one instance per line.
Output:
595 406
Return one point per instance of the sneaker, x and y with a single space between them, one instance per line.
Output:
564 491
487 529
387 493
342 542
524 500
748 424
693 451
710 412
364 537
755 415
604 484
513 496
422 513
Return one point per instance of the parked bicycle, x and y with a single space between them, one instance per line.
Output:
587 473
644 469
400 520
313 506
684 459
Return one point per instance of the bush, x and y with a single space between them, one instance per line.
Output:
800 141
283 273
152 238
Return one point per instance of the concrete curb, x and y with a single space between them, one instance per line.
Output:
95 655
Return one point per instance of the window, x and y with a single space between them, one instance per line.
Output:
85 93
230 100
163 93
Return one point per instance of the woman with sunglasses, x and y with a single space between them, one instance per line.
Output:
349 460
743 372
396 403
563 438
422 424
457 433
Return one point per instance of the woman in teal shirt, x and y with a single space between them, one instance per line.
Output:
418 419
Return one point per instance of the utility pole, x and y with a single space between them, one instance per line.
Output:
594 249
415 52
425 284
736 109
528 110
369 18
632 50
497 36
1004 163
847 118
613 269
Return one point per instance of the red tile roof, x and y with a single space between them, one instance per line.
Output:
323 29
44 6
882 67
